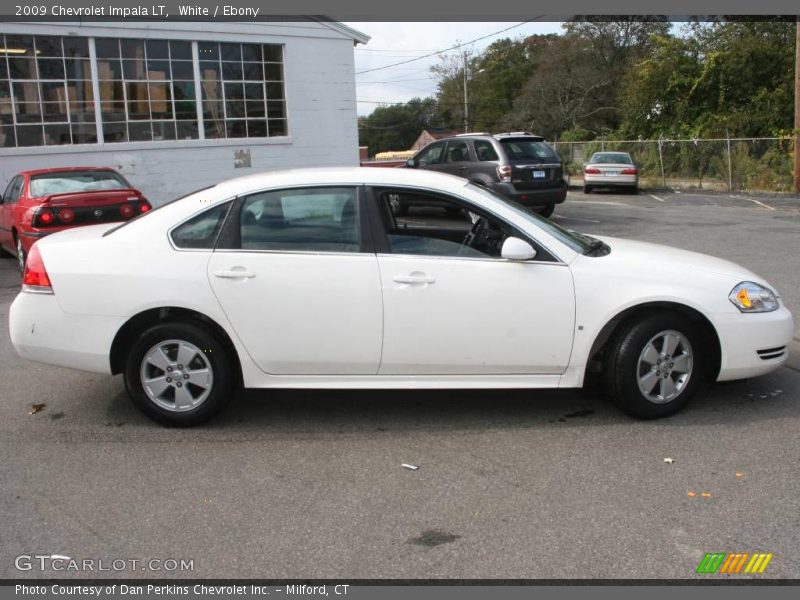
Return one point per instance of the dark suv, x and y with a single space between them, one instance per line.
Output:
520 166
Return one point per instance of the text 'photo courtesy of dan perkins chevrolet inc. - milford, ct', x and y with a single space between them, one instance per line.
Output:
153 10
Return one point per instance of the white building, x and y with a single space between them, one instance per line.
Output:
177 106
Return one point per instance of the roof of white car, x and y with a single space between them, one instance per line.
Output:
341 176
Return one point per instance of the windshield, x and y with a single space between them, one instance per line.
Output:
611 157
576 241
529 149
75 182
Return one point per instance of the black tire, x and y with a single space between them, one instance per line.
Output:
623 366
587 189
22 256
546 211
213 352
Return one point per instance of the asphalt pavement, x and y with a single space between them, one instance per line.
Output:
511 484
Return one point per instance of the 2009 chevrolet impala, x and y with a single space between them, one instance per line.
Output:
308 279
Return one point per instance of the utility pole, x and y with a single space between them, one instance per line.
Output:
797 110
466 104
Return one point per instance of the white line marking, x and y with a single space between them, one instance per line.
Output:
753 200
656 197
574 218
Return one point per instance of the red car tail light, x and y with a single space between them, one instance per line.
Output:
592 171
630 171
126 210
504 174
35 278
144 206
43 218
67 215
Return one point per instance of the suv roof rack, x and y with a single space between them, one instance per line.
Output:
513 133
472 133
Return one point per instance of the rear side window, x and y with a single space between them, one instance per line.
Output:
521 149
301 220
457 152
200 232
485 151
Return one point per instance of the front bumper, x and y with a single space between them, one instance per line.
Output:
42 332
742 336
536 197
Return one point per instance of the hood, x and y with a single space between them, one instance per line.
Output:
645 253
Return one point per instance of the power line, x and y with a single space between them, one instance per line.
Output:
403 62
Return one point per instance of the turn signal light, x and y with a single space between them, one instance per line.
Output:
126 210
144 207
35 278
67 215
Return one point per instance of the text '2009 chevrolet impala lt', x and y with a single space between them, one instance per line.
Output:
308 279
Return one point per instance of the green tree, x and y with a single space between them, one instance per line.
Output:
396 127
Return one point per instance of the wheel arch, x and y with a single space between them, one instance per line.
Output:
640 311
145 319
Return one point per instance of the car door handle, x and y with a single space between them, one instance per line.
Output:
413 278
234 274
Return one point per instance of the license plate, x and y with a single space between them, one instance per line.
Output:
539 174
612 173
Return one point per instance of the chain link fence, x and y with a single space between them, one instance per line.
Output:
723 164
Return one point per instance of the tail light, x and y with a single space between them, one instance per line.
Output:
126 210
35 278
66 215
504 174
43 218
630 171
592 171
144 206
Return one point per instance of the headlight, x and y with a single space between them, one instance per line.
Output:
750 297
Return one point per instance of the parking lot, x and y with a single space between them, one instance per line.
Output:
511 484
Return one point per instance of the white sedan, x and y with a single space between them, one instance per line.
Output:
307 279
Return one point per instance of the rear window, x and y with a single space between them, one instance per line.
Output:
75 181
611 157
521 149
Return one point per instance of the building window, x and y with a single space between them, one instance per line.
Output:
243 94
147 90
45 91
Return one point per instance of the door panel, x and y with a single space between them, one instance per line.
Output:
309 314
475 316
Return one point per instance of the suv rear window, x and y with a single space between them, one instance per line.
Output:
74 182
526 149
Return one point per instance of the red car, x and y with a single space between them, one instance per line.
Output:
38 203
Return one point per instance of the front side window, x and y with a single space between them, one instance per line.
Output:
75 181
200 232
440 226
431 155
301 220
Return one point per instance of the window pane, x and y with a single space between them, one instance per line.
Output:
255 109
163 130
112 111
134 69
214 126
22 68
256 128
57 135
84 134
140 132
7 137
3 68
78 90
231 51
107 47
210 70
253 71
234 91
115 132
48 46
276 110
254 91
251 52
20 44
236 129
111 90
51 68
187 130
277 127
180 50
182 69
201 231
231 70
132 48
208 50
55 111
274 91
272 53
234 109
158 69
273 72
78 68
109 69
157 49
76 47
315 220
30 135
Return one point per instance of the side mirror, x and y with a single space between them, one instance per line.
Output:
517 249
411 163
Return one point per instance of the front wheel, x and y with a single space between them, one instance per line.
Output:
178 374
655 365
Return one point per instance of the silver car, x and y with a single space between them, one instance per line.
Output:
610 170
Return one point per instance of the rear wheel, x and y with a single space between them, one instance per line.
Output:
22 256
547 211
655 365
179 374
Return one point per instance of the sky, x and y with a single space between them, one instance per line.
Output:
396 42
